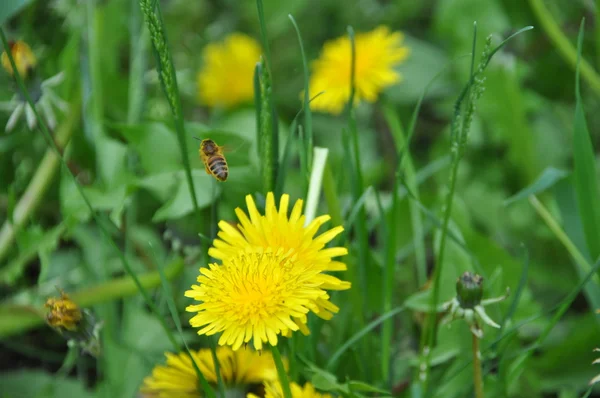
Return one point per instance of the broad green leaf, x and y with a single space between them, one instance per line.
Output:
586 178
180 203
548 178
156 146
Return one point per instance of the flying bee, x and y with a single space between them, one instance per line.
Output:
214 160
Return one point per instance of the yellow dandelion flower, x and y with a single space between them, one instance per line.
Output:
377 53
178 379
274 390
227 78
23 56
64 313
276 230
257 295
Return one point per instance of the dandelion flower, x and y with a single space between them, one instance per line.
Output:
178 379
227 76
78 326
23 57
274 390
278 231
257 295
63 313
377 53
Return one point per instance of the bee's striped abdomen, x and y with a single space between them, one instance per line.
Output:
218 167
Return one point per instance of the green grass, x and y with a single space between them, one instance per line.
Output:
483 158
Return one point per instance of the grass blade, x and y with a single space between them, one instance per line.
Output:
359 335
307 111
547 179
586 181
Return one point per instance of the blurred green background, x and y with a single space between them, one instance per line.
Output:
124 151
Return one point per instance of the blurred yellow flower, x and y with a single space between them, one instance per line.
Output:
178 379
24 59
227 77
272 276
274 390
63 313
377 53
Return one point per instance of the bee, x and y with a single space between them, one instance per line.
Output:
214 161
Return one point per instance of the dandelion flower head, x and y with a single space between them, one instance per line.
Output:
23 57
376 54
227 77
256 296
275 229
178 378
274 390
63 313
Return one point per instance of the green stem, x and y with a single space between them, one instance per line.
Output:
283 377
459 132
268 134
16 319
562 43
168 78
39 184
562 236
477 374
96 218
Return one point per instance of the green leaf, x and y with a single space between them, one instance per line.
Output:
323 380
548 178
181 203
586 180
31 241
361 386
8 8
39 384
156 146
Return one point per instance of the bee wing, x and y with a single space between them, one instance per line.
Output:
229 149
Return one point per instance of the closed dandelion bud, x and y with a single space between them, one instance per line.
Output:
23 57
469 290
78 326
469 304
64 314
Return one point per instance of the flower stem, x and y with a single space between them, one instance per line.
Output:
283 377
477 375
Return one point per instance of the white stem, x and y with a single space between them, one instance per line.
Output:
314 186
